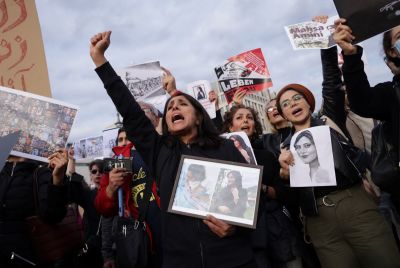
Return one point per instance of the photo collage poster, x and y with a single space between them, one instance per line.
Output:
227 190
247 71
313 158
45 123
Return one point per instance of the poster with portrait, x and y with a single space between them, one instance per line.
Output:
242 143
368 18
23 62
247 71
200 90
311 34
313 158
143 80
109 141
227 190
45 123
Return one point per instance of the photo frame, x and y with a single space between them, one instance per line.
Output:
227 190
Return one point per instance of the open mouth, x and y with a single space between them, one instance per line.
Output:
275 114
297 111
244 128
177 118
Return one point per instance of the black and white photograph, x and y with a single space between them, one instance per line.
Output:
368 18
45 123
242 143
109 141
313 158
143 80
200 90
229 191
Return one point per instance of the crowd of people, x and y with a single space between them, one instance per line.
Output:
352 224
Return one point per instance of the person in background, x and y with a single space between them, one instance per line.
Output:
17 203
187 129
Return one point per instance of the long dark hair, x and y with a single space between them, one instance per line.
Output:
228 120
240 140
387 43
207 134
238 178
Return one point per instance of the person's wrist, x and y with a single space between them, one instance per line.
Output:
350 51
111 190
98 58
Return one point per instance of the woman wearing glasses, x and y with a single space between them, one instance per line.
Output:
343 221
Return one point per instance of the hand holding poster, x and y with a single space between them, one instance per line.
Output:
247 71
44 123
368 18
311 34
313 158
200 90
227 190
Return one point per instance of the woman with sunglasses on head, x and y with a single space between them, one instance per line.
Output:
186 129
381 102
343 221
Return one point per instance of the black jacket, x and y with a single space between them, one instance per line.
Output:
17 203
187 241
379 102
349 162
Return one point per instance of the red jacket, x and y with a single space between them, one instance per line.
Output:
109 206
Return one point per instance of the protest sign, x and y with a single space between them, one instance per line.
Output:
243 144
311 34
313 158
143 80
368 18
200 90
44 123
22 59
109 138
90 148
247 71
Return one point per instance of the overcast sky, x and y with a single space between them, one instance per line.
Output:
188 37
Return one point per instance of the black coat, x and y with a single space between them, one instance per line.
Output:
17 203
187 241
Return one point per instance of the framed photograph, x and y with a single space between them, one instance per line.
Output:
313 158
229 191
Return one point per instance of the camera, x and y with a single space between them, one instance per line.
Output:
110 163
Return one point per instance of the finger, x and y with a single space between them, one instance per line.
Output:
213 228
217 222
167 72
106 36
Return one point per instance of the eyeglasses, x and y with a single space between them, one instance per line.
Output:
271 109
296 98
95 171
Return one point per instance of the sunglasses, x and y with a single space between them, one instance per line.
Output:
95 171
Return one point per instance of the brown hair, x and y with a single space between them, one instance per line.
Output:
228 119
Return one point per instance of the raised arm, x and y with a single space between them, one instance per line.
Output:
364 100
138 127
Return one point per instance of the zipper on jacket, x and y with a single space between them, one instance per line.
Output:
13 167
201 245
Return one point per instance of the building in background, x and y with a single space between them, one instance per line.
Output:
257 101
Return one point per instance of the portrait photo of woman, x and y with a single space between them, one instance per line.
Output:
313 161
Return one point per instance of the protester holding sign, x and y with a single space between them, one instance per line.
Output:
16 204
380 102
187 129
343 222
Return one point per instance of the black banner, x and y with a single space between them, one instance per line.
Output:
368 18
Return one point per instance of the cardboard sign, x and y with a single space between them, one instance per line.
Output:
22 59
